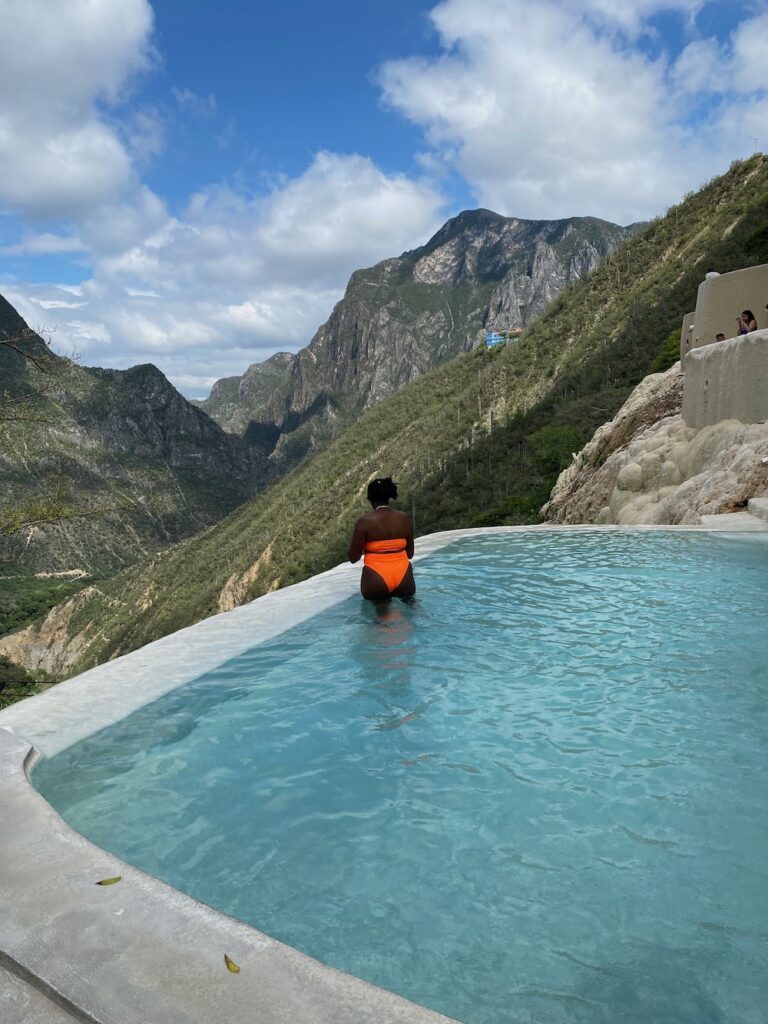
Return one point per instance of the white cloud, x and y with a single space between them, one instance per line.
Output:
144 134
59 304
86 332
547 111
199 106
58 150
699 68
631 16
235 272
236 276
749 61
343 213
45 242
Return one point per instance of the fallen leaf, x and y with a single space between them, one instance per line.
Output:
109 881
231 965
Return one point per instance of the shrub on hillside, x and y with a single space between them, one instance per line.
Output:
13 675
668 354
553 446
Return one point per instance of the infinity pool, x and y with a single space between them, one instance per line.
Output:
536 794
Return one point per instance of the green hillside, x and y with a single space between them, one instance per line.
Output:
477 441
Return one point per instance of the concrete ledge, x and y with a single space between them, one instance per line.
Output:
721 299
727 381
23 1003
759 507
741 522
140 952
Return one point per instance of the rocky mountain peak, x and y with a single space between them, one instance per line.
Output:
11 323
404 316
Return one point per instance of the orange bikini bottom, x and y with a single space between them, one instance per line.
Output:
388 559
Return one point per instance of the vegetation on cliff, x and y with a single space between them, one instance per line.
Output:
477 441
16 683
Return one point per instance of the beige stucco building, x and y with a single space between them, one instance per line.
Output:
719 303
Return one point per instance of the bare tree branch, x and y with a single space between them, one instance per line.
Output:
50 515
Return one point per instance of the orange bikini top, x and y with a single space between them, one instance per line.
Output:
395 546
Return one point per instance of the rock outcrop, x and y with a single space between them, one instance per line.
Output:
47 645
405 316
647 466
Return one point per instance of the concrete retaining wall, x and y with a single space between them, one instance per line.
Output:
686 336
721 299
728 381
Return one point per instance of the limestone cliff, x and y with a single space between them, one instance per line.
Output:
405 316
646 466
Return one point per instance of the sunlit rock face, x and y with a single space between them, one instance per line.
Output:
648 466
404 316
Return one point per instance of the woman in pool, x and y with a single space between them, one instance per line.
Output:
385 537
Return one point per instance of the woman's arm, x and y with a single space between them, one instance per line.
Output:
357 543
409 538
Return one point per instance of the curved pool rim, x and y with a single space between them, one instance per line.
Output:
141 950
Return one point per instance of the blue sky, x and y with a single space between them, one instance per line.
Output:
191 183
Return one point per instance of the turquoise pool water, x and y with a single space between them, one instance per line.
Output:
535 795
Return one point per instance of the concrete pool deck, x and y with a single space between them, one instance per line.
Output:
141 952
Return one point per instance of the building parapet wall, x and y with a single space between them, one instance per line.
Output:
721 300
727 381
686 336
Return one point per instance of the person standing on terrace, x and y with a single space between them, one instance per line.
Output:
385 537
747 322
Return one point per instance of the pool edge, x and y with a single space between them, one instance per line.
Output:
140 951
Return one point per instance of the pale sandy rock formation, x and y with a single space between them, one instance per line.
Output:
47 646
648 467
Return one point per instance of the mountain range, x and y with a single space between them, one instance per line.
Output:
127 442
479 440
404 316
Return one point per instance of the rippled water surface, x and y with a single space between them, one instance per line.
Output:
535 795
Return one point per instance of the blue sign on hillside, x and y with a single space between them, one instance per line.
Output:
492 339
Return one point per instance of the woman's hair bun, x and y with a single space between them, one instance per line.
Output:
382 489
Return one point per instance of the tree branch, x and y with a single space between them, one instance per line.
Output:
51 515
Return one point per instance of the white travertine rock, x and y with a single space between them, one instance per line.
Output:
630 478
648 466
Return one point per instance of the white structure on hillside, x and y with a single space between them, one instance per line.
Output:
719 303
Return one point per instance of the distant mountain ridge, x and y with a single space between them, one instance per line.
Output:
404 316
119 439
